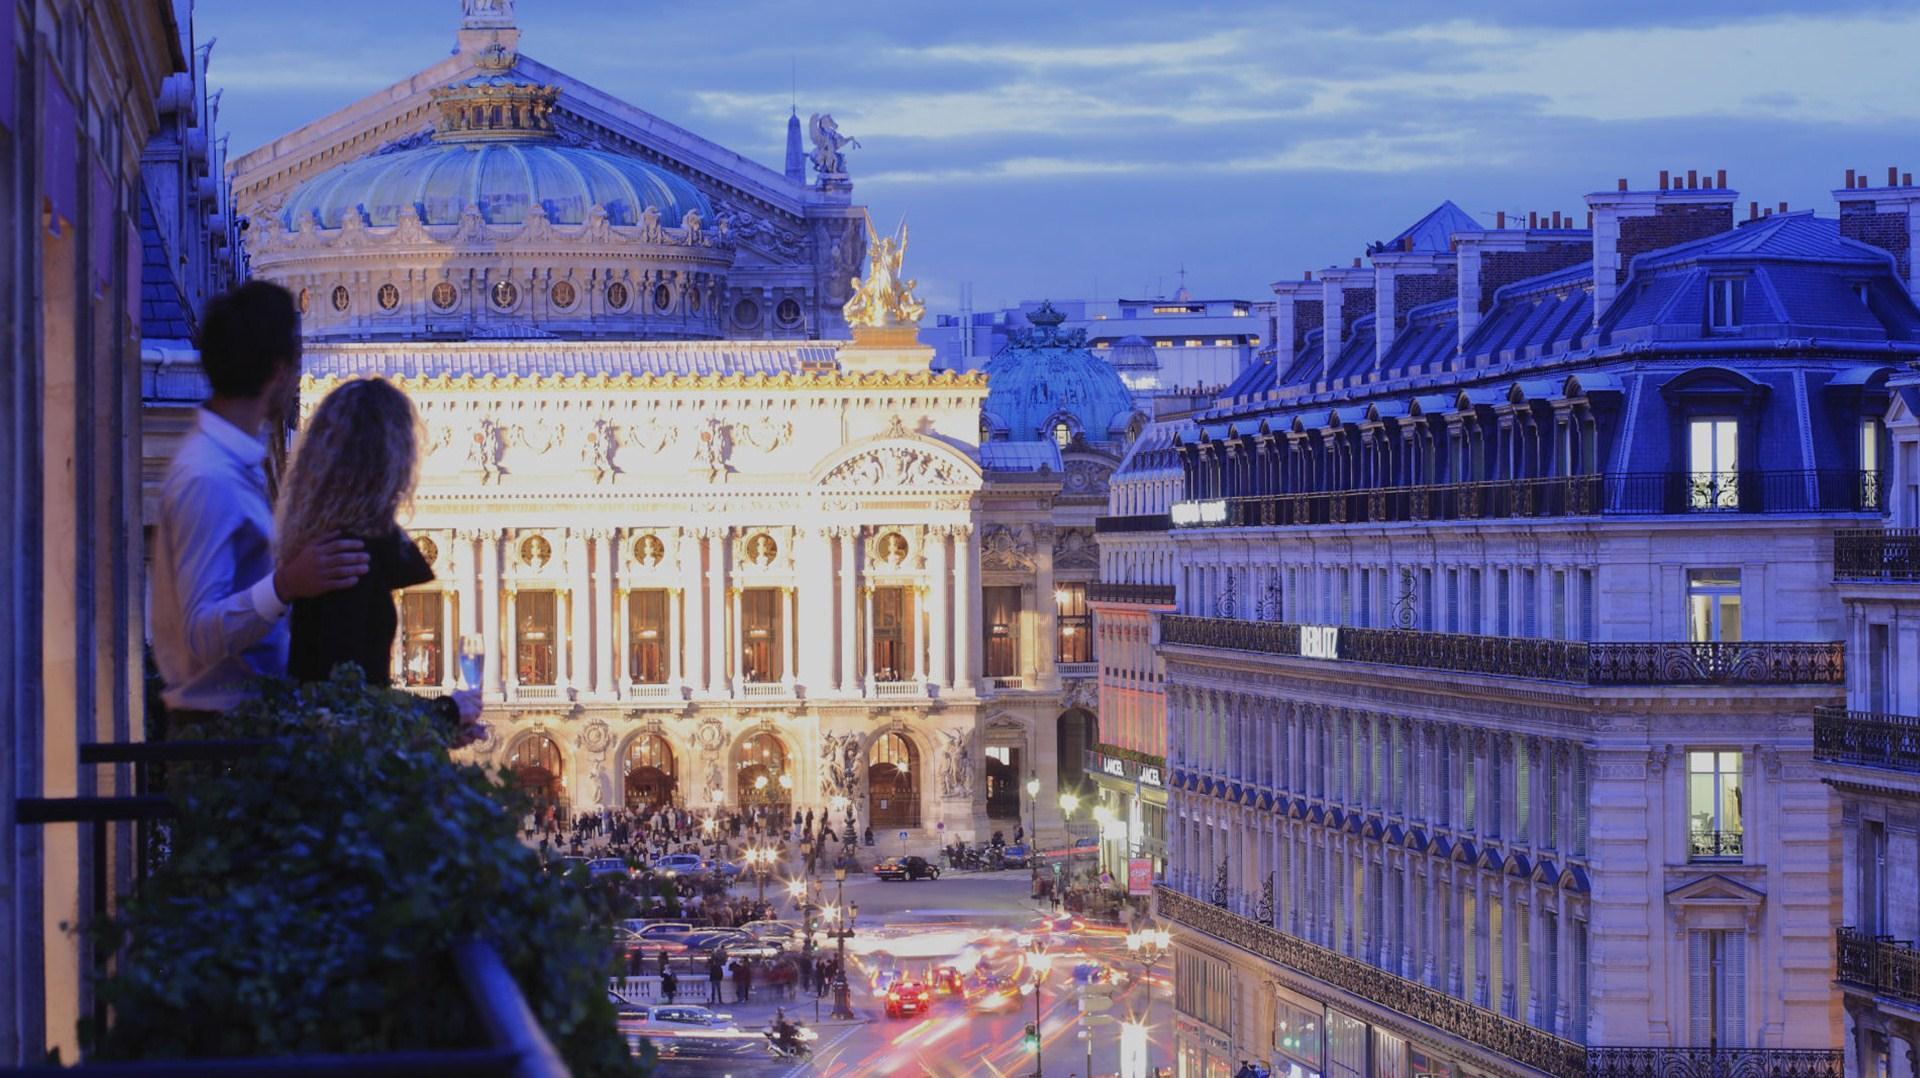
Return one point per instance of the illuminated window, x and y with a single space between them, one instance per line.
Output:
537 651
760 636
1193 342
1713 463
1713 605
647 637
1002 628
422 651
1223 342
1163 342
1062 434
1075 626
1715 820
1870 464
893 650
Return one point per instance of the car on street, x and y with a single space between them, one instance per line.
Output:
911 867
606 866
672 1018
680 864
1086 847
948 982
992 993
884 980
650 929
907 998
782 934
564 865
1091 973
1015 857
708 940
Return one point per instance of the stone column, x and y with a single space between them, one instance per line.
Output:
450 599
487 606
966 631
866 629
716 541
937 670
577 672
815 601
790 600
736 636
694 606
606 655
849 621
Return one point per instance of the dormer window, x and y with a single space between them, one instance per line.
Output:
1062 434
1723 303
1861 291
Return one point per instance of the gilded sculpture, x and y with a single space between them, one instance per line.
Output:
884 299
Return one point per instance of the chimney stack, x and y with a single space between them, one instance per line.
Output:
1402 280
1493 258
1887 218
1346 295
1628 223
1296 312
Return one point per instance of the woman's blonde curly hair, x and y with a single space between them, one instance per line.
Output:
353 468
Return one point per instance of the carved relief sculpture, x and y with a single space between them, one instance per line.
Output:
1003 548
956 763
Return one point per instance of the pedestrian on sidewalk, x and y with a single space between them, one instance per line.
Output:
744 978
669 985
715 970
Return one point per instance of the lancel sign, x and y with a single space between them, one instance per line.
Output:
1197 514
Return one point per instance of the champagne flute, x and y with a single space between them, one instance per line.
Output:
473 661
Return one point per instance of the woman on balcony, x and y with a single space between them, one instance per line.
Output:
352 473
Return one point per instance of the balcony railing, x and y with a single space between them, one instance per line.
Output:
1138 522
1867 738
1888 966
1888 554
1530 1047
1709 845
1715 1063
1145 594
1610 663
1615 494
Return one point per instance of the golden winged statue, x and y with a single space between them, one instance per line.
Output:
884 298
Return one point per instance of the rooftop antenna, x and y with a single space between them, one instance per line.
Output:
793 83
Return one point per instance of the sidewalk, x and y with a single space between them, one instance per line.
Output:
756 1012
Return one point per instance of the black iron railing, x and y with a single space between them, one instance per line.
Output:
1888 966
1609 663
1868 738
1715 1063
1533 1048
1613 494
1138 522
1146 594
1712 845
1891 554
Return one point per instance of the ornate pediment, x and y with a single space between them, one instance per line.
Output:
1006 548
915 465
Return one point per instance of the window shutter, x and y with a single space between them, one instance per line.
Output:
1503 603
1700 988
1579 801
1453 600
1523 964
1733 989
1586 604
1472 794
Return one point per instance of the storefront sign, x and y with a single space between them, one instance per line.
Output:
1150 776
1115 766
1191 514
1320 641
1140 876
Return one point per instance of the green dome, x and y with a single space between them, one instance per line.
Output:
1045 375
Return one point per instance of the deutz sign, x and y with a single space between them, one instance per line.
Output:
1320 641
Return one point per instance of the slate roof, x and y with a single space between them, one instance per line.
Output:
164 313
1434 232
1020 457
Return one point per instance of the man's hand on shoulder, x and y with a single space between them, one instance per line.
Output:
328 565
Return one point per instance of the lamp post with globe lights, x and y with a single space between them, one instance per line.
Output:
760 861
1040 961
838 914
1062 876
1033 835
1148 946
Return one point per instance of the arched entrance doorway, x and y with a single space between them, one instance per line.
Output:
535 764
1078 732
651 780
760 774
893 783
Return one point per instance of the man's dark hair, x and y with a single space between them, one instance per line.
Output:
246 336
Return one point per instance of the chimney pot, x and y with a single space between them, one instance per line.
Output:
1783 206
1356 262
1863 178
1533 219
1849 179
1753 209
1893 175
1693 179
1499 218
1906 179
1306 275
1623 183
1720 178
1589 219
1663 179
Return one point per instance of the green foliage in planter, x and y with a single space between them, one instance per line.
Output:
314 894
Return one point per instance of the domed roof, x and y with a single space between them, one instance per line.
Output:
1132 352
503 178
1044 374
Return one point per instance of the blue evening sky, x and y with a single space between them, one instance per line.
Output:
1056 149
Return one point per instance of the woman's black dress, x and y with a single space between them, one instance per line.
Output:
357 624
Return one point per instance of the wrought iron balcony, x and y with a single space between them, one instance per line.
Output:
1612 494
1715 1063
1709 845
1137 522
1867 738
1146 594
1883 554
1610 663
1533 1048
1887 966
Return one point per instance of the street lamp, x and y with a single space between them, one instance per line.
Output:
760 862
1148 946
1133 1050
1033 835
842 1003
1041 961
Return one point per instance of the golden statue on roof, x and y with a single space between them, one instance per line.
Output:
884 299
